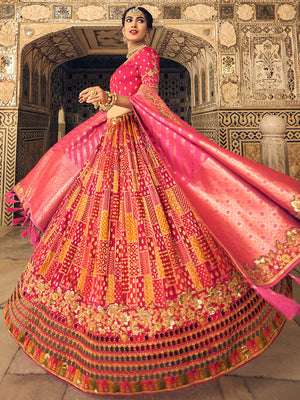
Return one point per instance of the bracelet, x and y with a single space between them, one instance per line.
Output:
111 101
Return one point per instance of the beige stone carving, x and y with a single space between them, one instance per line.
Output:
268 66
29 32
245 12
294 166
200 12
154 11
230 92
7 35
252 151
273 146
90 13
7 89
206 32
35 12
227 35
286 12
33 31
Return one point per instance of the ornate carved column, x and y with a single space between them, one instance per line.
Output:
8 112
273 146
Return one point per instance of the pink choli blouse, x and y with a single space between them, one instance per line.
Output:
141 68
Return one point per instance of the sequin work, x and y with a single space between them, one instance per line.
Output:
128 291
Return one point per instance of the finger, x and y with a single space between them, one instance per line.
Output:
83 98
89 89
85 91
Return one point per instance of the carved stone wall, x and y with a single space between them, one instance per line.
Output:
8 141
242 59
32 130
238 131
207 123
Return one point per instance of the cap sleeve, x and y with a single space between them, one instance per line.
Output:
148 65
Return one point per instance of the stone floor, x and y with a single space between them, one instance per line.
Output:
273 376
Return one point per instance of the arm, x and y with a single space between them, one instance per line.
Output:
101 97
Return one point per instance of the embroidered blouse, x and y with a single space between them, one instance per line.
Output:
141 68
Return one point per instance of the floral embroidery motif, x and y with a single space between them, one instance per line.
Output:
158 104
296 205
264 271
119 319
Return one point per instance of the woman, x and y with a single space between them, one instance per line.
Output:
160 248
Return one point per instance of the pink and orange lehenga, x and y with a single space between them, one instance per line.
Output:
164 257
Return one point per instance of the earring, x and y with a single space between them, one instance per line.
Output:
147 39
124 39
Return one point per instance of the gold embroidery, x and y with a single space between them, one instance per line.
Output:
122 320
153 73
158 104
271 267
296 205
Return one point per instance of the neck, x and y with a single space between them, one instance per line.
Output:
134 48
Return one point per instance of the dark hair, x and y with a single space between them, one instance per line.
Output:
148 16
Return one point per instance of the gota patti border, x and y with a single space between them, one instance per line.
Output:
270 268
171 360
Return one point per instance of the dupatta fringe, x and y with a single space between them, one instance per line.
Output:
34 236
288 307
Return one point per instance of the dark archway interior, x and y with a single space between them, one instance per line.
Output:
95 70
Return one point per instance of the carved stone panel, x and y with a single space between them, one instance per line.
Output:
269 62
7 35
252 151
294 159
227 35
90 13
8 141
269 65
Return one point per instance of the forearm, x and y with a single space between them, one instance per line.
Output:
123 101
96 95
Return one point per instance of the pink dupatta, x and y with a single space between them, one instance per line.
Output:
43 188
251 209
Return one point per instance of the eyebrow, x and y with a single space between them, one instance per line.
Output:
130 16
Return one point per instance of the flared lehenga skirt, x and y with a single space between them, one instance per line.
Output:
128 291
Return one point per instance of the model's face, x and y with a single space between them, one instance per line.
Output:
135 28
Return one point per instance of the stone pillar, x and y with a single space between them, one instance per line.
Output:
273 146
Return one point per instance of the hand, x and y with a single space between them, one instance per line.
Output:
93 95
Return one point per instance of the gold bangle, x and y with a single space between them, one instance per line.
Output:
111 101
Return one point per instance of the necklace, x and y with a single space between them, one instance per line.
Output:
135 49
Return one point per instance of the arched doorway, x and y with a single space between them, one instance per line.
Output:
52 60
96 70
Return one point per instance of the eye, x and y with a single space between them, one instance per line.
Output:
141 20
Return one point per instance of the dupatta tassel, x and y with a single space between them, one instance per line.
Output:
13 209
18 221
21 220
34 237
9 198
297 280
288 307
